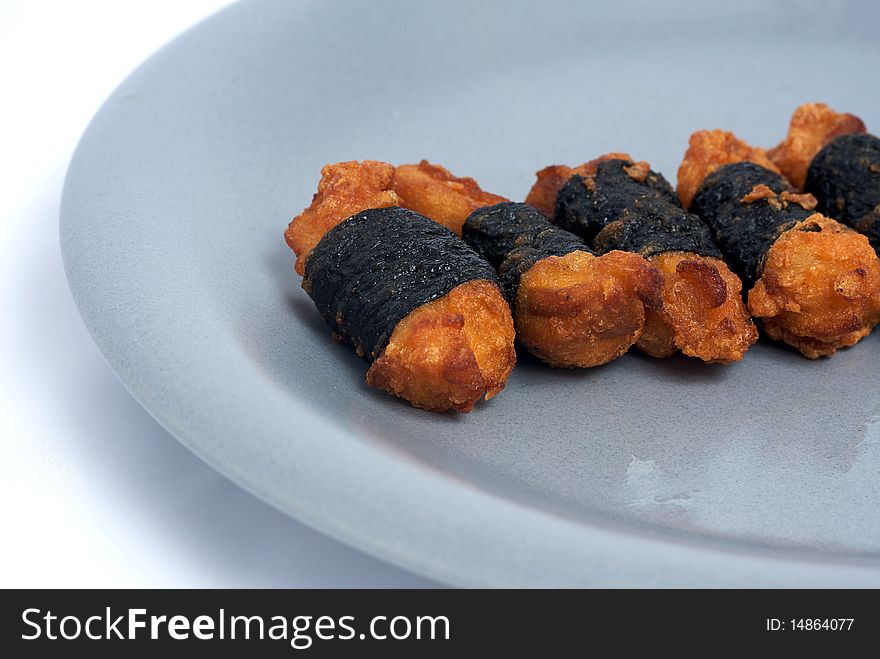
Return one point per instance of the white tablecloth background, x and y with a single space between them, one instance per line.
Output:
93 492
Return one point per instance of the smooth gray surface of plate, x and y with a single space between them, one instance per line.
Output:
642 472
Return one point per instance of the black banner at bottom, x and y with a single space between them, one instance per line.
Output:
426 622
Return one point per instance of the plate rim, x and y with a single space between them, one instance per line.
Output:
603 556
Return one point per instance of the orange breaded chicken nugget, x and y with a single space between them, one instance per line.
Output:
618 204
572 307
812 127
703 313
413 299
707 151
345 188
434 192
814 283
582 310
450 353
820 287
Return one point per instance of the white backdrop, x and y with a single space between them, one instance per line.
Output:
93 492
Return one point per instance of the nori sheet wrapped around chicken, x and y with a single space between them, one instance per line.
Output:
513 237
845 179
571 307
745 230
651 226
633 209
373 269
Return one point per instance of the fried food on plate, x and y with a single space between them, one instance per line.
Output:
345 188
550 179
814 283
572 308
624 205
434 192
813 126
707 151
416 302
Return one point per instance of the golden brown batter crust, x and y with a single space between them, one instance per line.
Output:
345 188
781 200
707 151
434 192
820 287
451 352
812 126
703 313
581 310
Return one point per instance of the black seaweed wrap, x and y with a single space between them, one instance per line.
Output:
728 184
585 211
370 271
845 179
513 237
615 211
745 231
651 226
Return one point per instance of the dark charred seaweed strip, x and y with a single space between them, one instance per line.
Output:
745 231
585 212
845 179
615 211
726 186
513 237
651 227
370 271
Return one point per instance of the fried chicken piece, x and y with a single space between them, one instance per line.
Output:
546 188
345 188
581 310
572 308
812 126
703 314
450 353
707 151
550 179
445 353
820 287
815 283
626 206
434 192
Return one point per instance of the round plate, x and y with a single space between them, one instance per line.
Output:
642 472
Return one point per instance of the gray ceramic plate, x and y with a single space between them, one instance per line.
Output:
642 472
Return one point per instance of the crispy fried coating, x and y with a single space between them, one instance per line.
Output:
550 179
345 188
812 126
658 337
820 287
781 200
546 188
707 151
450 353
581 310
572 308
703 313
434 192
